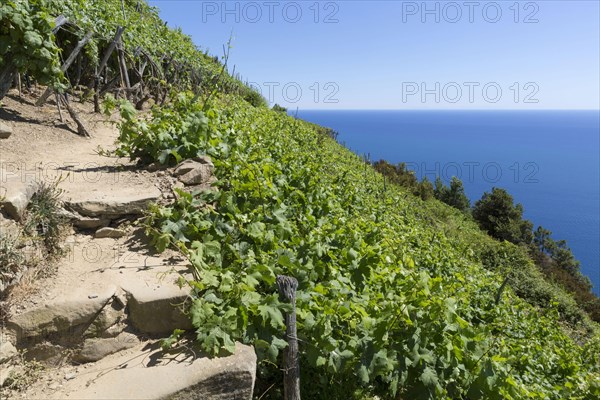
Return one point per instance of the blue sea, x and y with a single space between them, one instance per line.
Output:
548 160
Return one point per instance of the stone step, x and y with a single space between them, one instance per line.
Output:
97 325
156 310
146 372
116 288
112 204
62 317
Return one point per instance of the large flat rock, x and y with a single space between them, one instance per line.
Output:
60 316
95 349
113 203
145 372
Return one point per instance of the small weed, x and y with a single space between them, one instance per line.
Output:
43 217
28 373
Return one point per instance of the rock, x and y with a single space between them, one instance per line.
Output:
110 315
7 351
192 172
5 131
199 176
109 233
185 167
70 375
60 317
115 204
16 190
227 378
90 223
145 372
156 310
97 349
82 222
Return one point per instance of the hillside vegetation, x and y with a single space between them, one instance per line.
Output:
398 297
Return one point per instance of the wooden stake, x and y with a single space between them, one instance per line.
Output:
123 65
81 130
59 110
111 48
66 65
18 83
287 286
96 88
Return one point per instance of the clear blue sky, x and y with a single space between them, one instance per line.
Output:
395 55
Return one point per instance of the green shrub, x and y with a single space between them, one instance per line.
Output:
169 135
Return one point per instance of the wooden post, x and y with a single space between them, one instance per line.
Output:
287 286
96 89
62 120
81 130
110 49
123 66
100 67
18 83
66 65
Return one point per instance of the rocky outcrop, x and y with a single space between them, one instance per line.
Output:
91 322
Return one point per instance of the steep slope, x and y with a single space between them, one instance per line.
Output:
393 298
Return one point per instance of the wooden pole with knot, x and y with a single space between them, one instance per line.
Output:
287 286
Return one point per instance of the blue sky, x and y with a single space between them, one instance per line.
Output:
405 54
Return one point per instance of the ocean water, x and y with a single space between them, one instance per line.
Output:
548 160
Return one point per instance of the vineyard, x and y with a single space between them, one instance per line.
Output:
398 298
101 47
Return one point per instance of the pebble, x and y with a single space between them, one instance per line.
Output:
69 376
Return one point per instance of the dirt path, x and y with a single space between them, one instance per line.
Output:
108 298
